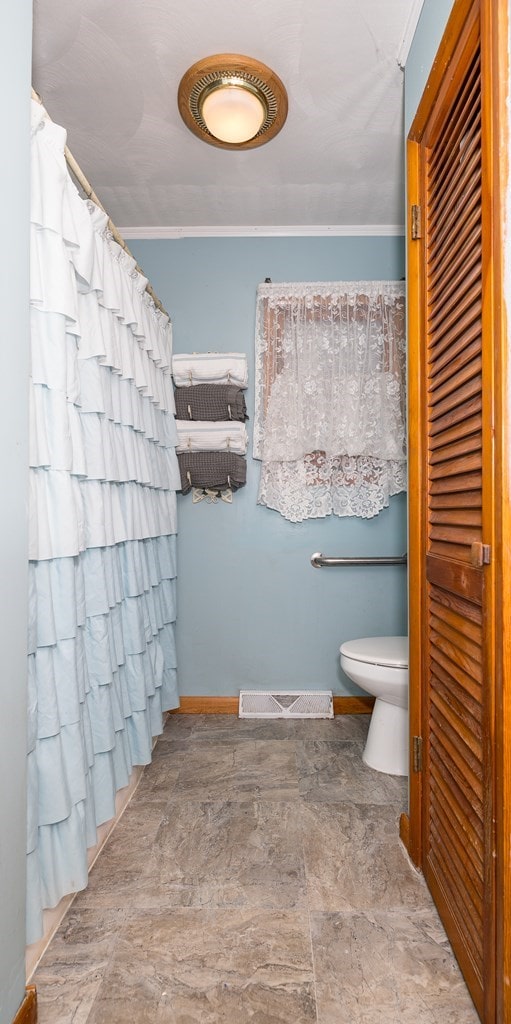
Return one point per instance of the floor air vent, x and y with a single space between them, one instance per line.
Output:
286 704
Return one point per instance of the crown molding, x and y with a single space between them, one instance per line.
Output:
409 32
250 231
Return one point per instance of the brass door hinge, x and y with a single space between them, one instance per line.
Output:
417 753
416 221
480 554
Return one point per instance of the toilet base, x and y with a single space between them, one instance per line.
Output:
386 748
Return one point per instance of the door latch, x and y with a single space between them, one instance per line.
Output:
480 554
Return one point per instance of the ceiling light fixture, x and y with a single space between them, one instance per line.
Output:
232 101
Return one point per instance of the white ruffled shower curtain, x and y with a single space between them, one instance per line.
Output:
102 578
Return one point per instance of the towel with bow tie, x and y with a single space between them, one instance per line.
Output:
210 402
210 368
215 471
225 436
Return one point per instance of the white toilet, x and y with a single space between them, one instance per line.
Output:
379 664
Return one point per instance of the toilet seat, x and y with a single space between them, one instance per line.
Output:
391 651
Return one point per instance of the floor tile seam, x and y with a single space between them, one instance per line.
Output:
316 801
324 746
395 807
313 957
230 799
211 743
239 798
308 910
110 966
162 911
170 736
137 843
390 913
111 959
98 993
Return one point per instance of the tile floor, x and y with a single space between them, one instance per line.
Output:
255 878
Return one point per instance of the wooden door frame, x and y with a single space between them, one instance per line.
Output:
497 412
497 27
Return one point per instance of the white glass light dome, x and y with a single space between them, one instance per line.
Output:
232 112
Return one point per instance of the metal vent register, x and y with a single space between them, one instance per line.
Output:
286 704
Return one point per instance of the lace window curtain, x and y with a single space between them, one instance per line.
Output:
330 397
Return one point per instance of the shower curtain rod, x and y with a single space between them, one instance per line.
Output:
87 188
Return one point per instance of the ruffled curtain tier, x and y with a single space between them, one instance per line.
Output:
104 472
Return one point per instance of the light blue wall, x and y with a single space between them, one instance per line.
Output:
15 31
428 34
252 610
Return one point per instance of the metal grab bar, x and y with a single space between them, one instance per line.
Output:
318 560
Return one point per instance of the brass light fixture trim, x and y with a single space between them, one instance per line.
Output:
232 69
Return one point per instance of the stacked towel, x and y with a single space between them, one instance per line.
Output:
212 437
210 402
210 368
212 470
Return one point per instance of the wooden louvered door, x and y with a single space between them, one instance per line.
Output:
455 449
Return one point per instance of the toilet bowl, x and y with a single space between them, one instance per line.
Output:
379 665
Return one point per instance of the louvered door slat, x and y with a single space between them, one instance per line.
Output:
447 549
461 250
452 298
455 712
463 101
447 341
459 179
457 536
457 240
471 517
463 482
463 215
458 398
467 843
466 444
468 462
462 124
450 347
452 612
444 162
448 746
460 414
456 671
463 370
452 650
453 784
470 425
466 821
468 914
471 889
462 187
468 499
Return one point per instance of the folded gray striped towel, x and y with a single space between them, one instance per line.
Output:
214 470
210 402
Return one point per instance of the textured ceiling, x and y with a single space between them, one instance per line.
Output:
108 71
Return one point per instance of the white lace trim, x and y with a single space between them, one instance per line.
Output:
342 486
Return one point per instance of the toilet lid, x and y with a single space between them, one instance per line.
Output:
378 650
